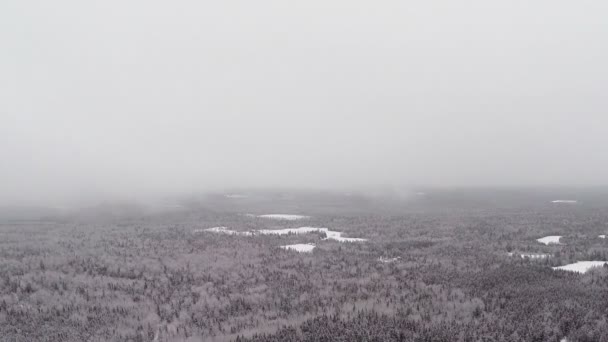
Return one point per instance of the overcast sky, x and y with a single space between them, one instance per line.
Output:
145 97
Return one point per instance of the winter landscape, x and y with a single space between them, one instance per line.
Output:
390 268
303 171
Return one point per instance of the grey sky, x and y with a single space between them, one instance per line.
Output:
142 97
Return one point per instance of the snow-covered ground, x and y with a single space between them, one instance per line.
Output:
223 230
388 260
601 236
581 266
530 255
330 234
236 196
285 217
287 231
565 201
300 247
550 240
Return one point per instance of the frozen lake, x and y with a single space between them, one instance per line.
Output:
388 260
330 234
530 255
284 217
581 266
550 240
223 230
300 247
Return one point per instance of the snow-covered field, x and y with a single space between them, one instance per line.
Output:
530 255
388 260
236 196
284 217
330 234
550 240
581 266
565 201
223 230
287 231
300 247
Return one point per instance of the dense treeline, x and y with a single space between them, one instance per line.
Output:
156 278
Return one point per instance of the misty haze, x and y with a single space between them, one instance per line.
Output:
273 171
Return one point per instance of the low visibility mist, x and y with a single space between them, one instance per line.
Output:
145 98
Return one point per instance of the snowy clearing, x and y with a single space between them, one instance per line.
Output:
581 266
236 196
300 247
285 217
530 255
388 260
550 240
565 201
223 230
287 231
331 235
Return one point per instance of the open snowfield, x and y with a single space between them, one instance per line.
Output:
530 255
300 247
235 196
581 266
331 235
534 256
223 230
287 231
550 240
284 217
388 260
565 201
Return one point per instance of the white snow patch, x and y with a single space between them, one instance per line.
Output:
287 231
549 240
300 247
236 196
601 236
530 255
565 201
388 260
285 217
581 266
223 230
330 235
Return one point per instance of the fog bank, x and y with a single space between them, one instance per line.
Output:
147 98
